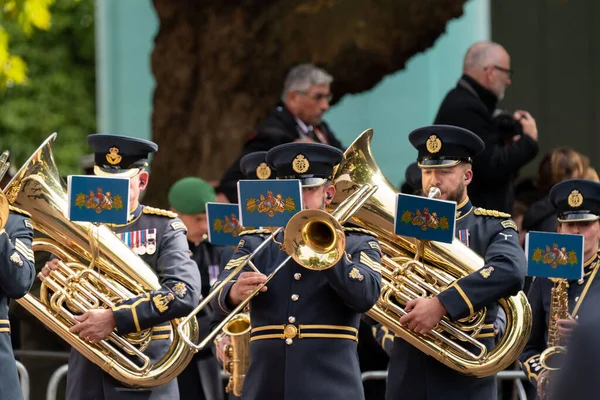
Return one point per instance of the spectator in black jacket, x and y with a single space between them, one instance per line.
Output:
297 117
471 105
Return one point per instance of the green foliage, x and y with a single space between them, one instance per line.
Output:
59 95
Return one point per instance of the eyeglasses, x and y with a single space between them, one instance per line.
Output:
507 71
318 96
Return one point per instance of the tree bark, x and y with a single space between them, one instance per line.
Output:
219 66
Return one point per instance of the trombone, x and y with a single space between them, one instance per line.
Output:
313 238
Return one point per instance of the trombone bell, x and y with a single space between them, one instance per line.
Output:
314 239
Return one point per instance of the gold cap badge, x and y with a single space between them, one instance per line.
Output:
300 164
263 171
113 156
434 144
575 198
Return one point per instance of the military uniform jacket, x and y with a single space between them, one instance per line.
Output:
540 299
413 374
304 327
159 239
17 272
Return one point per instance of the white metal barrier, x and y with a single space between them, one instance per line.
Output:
24 379
516 376
55 379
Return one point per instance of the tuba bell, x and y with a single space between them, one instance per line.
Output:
98 270
404 277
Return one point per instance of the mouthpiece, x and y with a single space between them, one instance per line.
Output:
434 193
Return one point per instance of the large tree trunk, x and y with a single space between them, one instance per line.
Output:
219 66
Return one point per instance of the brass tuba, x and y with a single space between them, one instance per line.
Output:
99 270
405 277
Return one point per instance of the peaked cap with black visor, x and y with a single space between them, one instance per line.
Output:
576 200
443 146
312 163
254 166
116 155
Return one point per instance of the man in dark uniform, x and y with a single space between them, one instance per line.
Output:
471 105
297 117
304 327
577 202
17 272
159 238
445 157
201 379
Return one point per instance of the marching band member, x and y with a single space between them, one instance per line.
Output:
305 323
159 238
445 158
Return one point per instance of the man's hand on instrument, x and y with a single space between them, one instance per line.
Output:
220 345
50 266
542 385
423 314
94 325
565 328
245 285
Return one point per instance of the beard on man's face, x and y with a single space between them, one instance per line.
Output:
456 195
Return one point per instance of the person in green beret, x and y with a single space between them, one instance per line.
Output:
188 197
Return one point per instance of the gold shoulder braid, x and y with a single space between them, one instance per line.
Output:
255 232
19 211
360 230
490 213
159 211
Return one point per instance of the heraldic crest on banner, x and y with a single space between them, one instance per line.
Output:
229 224
99 201
555 256
270 204
425 219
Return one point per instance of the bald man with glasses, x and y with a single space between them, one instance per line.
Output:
487 74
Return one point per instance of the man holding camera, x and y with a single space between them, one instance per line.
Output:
471 105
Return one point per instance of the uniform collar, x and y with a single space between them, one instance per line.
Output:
463 208
136 213
590 264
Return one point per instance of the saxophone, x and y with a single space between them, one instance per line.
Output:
237 352
553 356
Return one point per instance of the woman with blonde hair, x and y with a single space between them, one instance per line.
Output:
558 165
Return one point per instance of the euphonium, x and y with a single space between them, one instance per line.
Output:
99 270
237 353
405 277
553 357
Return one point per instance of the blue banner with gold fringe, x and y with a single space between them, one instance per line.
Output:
424 218
98 199
269 202
224 223
554 255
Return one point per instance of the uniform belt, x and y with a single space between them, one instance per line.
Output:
290 331
4 325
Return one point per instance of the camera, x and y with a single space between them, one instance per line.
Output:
506 125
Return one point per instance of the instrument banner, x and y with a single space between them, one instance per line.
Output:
98 199
424 218
224 224
554 255
269 202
